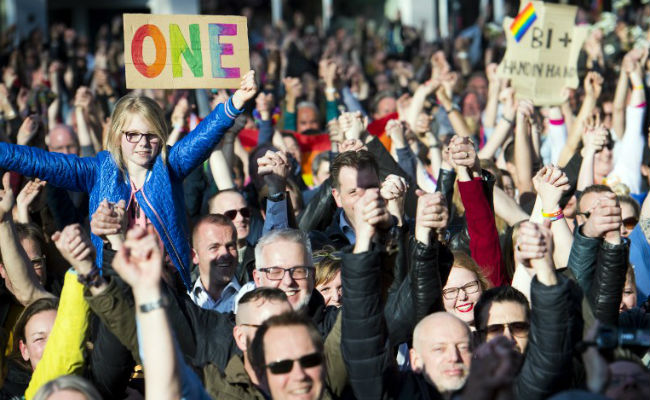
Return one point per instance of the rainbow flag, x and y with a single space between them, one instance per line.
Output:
523 22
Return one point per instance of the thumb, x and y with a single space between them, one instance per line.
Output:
420 192
121 204
546 223
6 181
56 236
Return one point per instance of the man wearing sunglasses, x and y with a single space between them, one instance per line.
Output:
288 355
545 335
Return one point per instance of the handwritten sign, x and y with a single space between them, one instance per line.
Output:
542 52
185 51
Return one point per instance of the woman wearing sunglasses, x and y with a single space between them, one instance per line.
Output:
138 167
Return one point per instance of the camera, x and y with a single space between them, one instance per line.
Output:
609 338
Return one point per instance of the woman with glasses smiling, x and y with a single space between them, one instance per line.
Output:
138 168
464 286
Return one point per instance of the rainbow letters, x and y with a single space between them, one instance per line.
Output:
185 51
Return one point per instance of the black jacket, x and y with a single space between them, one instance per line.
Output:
319 213
547 367
365 343
609 280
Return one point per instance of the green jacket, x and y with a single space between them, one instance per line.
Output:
234 383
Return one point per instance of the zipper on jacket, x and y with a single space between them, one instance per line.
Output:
171 243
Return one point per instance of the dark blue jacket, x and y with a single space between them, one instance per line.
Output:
161 197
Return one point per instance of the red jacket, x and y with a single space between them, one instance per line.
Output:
484 242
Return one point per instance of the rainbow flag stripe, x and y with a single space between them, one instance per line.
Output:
523 21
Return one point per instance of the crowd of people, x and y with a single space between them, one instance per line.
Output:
452 240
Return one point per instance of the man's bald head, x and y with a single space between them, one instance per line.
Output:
442 351
62 139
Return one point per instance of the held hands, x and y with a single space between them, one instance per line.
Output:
463 157
370 214
535 249
395 130
75 246
335 132
604 219
139 263
431 215
352 145
393 189
274 167
246 91
109 222
352 124
550 183
495 365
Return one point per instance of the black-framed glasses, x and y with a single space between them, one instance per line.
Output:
232 214
38 261
285 366
586 215
519 328
277 273
468 288
135 137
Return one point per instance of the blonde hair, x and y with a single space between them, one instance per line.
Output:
465 261
124 109
328 263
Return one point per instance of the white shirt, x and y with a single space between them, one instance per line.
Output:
225 303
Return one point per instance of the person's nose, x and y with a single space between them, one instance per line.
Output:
336 297
297 372
287 280
462 295
452 354
507 333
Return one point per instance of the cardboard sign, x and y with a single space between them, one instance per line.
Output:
542 53
185 51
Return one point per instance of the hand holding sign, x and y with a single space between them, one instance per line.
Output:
246 91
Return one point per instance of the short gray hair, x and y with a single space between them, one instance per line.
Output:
68 382
307 104
286 234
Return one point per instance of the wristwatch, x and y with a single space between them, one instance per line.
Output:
154 305
276 197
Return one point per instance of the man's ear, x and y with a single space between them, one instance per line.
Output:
257 278
195 257
337 197
240 337
416 361
24 351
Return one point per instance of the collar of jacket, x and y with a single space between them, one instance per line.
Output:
236 373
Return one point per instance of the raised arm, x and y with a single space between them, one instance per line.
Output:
551 183
484 238
364 336
65 349
548 362
524 147
503 126
139 263
196 147
17 270
593 85
274 167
